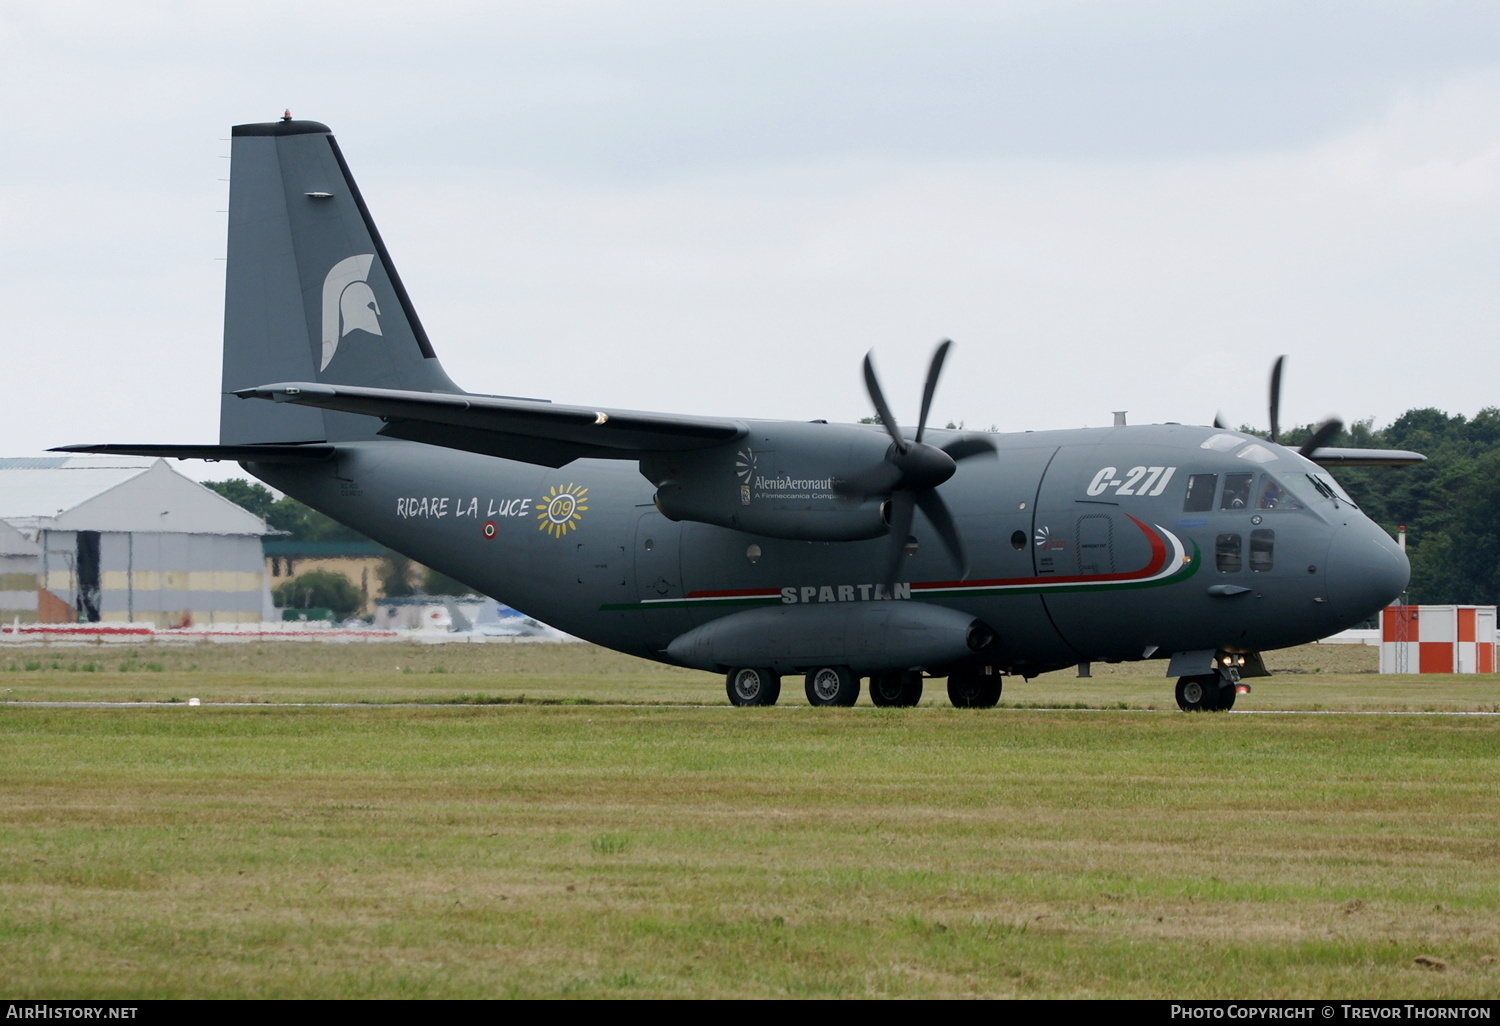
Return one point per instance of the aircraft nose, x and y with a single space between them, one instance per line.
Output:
1367 571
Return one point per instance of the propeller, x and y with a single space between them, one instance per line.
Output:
1276 398
1322 434
909 475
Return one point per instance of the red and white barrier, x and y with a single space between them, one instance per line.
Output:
1437 639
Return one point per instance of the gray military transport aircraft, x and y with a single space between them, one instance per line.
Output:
759 548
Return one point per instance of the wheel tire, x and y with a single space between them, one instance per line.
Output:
896 690
1199 693
1227 695
752 685
832 685
974 690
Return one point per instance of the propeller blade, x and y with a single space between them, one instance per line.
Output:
901 508
1321 436
933 370
882 409
911 472
969 445
1276 398
876 480
937 511
1219 420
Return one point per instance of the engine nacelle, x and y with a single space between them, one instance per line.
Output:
777 482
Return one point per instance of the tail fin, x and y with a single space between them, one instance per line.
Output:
310 293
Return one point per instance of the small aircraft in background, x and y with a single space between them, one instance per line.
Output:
761 548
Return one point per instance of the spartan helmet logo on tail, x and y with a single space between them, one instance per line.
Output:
348 303
310 291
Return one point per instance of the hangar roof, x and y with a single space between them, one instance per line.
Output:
114 493
14 543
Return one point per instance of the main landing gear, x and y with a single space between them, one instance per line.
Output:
832 685
898 690
752 685
1205 692
838 686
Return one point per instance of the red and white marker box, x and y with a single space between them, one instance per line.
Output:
1437 639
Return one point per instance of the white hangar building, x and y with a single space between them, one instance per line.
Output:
20 560
121 539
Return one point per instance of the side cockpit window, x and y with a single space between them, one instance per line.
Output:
1274 495
1200 493
1236 491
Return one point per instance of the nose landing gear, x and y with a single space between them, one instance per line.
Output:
974 690
1206 692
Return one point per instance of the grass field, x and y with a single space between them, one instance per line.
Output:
665 844
1313 677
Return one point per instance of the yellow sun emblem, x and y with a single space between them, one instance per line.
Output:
562 511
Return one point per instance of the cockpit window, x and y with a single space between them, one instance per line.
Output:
1274 495
1315 488
1200 493
1256 454
1329 482
1236 491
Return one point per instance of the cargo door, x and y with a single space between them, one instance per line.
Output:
1004 553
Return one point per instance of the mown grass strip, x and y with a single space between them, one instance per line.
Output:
542 851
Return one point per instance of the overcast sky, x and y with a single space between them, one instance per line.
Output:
719 208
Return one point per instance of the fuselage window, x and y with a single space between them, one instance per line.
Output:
1262 550
1237 491
1273 495
1227 553
1200 493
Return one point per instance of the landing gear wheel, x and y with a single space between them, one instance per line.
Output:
832 685
974 690
896 689
1227 694
752 685
1199 693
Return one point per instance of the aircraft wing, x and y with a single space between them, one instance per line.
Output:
263 453
529 430
1334 457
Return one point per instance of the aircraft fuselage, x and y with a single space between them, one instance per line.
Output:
1110 544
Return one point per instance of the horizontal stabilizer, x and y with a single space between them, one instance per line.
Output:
1334 457
271 453
529 430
